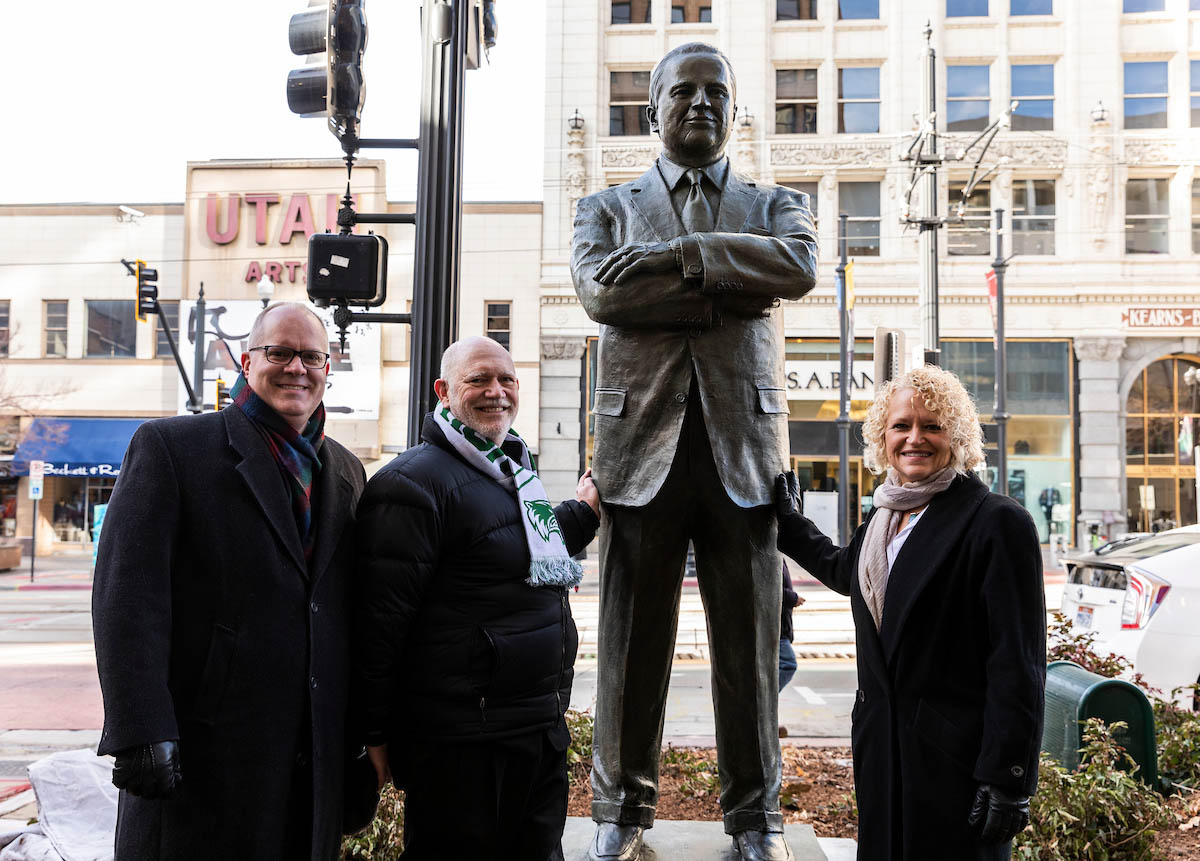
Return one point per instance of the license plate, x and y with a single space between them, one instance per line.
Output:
1083 617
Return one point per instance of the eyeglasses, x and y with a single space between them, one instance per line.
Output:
283 356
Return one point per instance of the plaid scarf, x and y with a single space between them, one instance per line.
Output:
294 453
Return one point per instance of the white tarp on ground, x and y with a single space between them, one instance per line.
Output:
77 810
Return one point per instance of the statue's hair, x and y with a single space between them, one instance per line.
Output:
945 397
687 48
256 329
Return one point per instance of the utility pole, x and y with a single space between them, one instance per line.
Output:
928 221
926 159
845 299
439 201
1000 409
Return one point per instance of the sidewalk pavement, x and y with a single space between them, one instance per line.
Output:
55 572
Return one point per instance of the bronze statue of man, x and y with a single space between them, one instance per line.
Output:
683 268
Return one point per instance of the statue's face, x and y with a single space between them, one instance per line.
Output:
693 112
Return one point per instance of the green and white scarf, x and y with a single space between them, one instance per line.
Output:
549 562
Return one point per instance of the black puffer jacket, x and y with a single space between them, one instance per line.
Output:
452 643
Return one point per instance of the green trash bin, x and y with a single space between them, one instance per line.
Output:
1073 695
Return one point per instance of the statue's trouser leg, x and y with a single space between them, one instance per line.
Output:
642 552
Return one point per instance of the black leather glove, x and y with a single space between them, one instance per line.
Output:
788 499
148 770
1002 815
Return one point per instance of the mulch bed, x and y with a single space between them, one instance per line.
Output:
818 790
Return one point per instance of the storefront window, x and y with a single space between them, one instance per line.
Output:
1162 423
1039 431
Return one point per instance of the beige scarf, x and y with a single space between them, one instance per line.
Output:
895 499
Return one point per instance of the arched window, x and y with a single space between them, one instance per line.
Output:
1161 428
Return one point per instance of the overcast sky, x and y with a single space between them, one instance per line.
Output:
108 101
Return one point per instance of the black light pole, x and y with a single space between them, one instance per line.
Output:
439 202
1000 410
846 342
197 405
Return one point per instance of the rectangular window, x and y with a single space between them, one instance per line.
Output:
795 10
1033 216
56 328
1033 88
1147 211
862 9
858 100
795 101
691 12
972 235
1143 6
1031 7
111 329
860 201
1145 95
4 329
1196 216
630 12
499 323
811 189
966 8
629 96
967 94
170 315
1195 90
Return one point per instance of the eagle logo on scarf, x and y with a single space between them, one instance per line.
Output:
541 517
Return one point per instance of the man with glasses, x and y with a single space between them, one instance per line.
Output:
219 609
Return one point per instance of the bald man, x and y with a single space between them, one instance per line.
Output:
467 644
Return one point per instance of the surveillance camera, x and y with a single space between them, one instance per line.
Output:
130 211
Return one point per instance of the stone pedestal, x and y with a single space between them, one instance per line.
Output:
671 840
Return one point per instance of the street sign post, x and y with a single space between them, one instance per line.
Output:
37 475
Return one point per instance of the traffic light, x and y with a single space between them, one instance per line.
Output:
222 400
147 290
333 33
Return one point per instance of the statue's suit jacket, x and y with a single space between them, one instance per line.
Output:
716 320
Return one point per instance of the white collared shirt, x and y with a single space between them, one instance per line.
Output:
893 549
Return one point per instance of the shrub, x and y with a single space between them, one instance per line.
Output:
384 838
697 774
1097 813
1178 740
579 755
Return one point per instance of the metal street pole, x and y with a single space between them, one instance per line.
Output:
439 202
33 540
929 224
846 342
197 404
1000 410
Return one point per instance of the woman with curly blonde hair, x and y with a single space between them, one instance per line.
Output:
945 585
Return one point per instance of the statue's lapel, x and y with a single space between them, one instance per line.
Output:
649 196
737 201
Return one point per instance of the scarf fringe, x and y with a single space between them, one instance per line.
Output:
554 571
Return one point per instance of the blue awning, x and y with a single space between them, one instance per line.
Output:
75 447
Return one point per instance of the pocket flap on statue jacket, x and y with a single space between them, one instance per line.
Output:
772 400
609 402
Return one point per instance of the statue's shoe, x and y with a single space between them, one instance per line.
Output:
613 842
761 846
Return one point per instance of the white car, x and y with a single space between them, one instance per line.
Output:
1142 600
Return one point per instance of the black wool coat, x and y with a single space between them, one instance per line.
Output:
951 689
211 629
452 644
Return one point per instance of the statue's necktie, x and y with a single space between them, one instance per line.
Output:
697 217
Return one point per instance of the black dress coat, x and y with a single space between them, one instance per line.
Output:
211 629
951 689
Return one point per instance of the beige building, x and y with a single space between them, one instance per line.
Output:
79 372
1097 177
